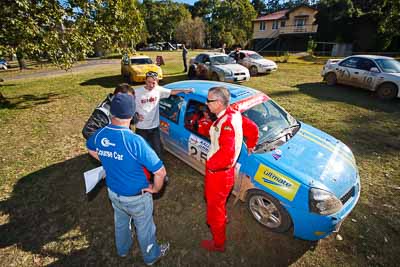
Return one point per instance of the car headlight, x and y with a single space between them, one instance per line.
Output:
228 73
323 202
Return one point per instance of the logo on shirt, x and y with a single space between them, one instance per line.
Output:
149 100
106 143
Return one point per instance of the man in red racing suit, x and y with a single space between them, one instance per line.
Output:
226 141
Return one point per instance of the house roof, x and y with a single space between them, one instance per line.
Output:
281 14
274 16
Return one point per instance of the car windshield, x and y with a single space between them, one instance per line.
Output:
255 56
389 65
221 60
140 61
273 122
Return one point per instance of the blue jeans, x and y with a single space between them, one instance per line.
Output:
140 208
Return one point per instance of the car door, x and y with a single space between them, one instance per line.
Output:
347 71
171 119
368 78
245 60
202 67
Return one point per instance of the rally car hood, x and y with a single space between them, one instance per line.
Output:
231 67
264 62
315 159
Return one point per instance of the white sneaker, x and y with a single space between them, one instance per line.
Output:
163 251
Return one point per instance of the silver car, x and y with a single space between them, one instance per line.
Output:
254 62
375 73
218 67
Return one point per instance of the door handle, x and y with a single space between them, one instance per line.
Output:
356 72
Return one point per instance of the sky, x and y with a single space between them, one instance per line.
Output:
190 2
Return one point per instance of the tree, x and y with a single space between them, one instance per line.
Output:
191 32
259 6
162 17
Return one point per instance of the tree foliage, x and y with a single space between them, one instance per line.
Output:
191 32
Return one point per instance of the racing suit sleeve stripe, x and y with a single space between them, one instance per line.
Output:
225 156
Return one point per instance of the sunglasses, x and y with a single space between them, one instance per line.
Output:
211 100
152 74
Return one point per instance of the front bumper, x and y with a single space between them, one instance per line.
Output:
268 69
142 77
311 226
236 78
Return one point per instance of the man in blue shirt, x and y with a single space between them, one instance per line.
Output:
124 155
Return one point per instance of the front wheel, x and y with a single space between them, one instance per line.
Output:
215 77
387 91
268 211
331 79
253 71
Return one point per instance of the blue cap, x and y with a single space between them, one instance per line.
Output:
123 106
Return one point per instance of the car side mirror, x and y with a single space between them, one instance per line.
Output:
374 69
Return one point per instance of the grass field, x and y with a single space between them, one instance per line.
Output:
46 219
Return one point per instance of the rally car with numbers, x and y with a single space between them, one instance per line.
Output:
298 177
376 73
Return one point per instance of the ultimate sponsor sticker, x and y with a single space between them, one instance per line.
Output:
277 182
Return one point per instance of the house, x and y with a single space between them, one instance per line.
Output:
285 30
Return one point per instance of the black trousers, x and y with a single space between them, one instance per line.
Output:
152 136
185 64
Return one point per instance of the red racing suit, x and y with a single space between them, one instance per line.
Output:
226 140
250 132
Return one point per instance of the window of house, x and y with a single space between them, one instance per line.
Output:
170 107
275 25
262 25
300 22
283 23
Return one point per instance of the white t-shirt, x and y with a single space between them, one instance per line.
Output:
148 104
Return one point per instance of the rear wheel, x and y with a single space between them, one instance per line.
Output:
331 79
215 77
387 91
253 71
268 211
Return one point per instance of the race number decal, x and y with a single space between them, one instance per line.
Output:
198 148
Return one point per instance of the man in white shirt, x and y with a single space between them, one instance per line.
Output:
147 108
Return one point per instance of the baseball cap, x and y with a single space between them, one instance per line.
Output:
123 106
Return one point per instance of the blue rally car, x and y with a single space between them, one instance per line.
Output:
298 176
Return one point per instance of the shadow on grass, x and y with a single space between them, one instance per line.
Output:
105 82
174 78
27 101
51 219
351 95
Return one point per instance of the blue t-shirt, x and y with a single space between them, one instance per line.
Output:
123 155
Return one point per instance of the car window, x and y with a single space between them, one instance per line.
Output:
242 55
270 119
170 107
141 61
255 56
221 60
206 59
365 64
198 118
389 65
199 58
350 62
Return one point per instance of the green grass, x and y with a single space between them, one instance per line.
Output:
46 219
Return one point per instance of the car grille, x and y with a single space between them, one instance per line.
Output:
348 195
239 73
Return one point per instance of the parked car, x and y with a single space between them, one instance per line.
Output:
218 67
3 64
254 62
134 68
375 73
151 47
298 176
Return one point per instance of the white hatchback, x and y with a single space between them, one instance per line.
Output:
375 73
254 62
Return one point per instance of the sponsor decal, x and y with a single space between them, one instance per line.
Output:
227 128
148 100
277 182
277 154
106 143
164 127
198 148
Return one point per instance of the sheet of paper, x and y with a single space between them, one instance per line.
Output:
92 177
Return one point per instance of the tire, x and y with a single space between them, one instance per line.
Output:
387 91
191 72
267 211
253 71
215 77
330 79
